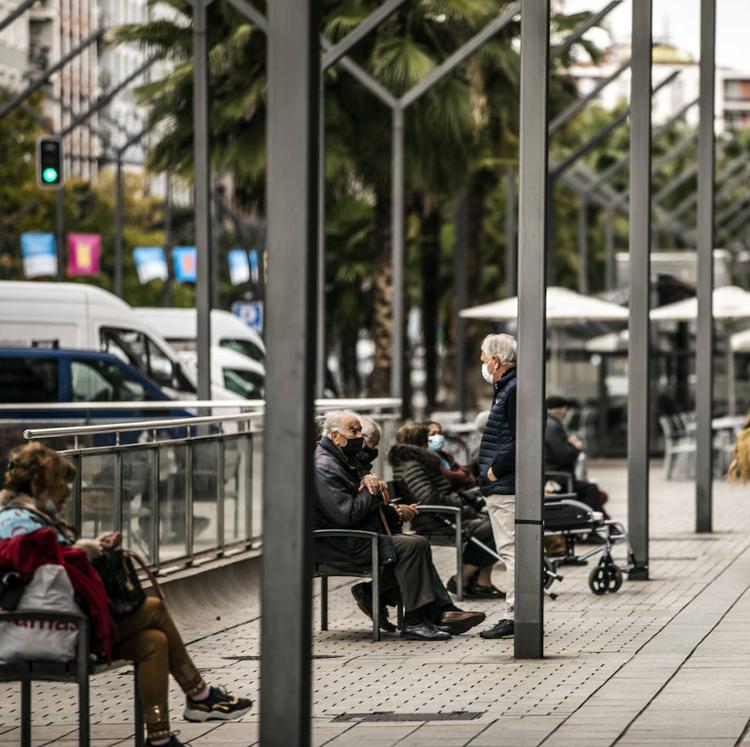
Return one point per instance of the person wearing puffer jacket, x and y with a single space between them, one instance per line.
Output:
420 480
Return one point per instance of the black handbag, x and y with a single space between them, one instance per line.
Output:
120 578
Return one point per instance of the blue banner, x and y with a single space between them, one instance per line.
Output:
184 261
150 263
39 252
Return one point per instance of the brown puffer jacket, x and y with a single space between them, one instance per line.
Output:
419 479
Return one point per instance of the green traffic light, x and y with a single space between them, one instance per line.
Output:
49 175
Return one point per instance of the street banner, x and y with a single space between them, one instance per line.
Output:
184 261
250 312
239 266
84 253
39 252
150 263
254 266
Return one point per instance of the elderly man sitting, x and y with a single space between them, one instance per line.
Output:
348 499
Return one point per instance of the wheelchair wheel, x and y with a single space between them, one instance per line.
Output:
606 577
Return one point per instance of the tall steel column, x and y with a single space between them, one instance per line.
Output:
397 252
202 169
168 238
320 357
292 146
532 241
640 298
60 231
511 240
583 245
118 225
704 381
462 301
609 249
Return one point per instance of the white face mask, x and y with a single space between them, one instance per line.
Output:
486 375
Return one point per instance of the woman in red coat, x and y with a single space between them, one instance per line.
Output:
459 477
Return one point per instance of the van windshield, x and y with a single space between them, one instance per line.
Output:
247 384
140 351
104 381
245 347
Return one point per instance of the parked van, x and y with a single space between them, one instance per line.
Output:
84 317
235 372
179 328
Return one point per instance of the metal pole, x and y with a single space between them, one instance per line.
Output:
511 247
118 226
609 249
397 241
462 302
704 337
640 297
293 75
202 170
533 159
60 231
15 13
589 23
583 245
320 357
168 238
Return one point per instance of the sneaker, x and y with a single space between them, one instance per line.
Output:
173 742
504 629
218 706
363 597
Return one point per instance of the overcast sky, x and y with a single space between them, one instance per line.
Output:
680 18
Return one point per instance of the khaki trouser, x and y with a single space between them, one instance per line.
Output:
502 511
150 638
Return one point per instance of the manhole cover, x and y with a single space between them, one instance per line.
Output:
393 716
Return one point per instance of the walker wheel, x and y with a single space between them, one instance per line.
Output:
606 577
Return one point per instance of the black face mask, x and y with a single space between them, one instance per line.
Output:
367 455
353 447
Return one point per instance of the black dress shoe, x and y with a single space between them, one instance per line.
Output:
363 598
571 561
424 631
504 629
458 621
475 591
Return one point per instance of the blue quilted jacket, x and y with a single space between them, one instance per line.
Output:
498 447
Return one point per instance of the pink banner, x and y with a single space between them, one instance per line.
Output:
84 253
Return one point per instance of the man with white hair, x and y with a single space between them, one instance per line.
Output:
346 498
497 463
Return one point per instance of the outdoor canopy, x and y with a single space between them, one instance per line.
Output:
563 307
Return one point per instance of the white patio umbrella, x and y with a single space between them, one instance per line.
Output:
563 307
730 304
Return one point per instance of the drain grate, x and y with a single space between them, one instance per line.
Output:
393 716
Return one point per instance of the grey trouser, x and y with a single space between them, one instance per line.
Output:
502 511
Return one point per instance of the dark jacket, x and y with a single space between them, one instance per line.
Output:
559 454
341 504
498 446
419 479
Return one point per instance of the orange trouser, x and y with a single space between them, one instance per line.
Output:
150 638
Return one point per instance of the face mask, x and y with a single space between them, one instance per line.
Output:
50 507
486 375
353 447
436 442
367 455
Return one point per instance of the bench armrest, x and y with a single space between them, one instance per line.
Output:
374 538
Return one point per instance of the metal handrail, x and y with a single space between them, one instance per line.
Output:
141 425
199 404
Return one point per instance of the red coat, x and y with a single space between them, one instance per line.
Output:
26 552
460 478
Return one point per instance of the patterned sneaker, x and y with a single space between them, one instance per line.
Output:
218 706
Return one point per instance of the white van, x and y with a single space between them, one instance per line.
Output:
235 372
179 328
85 317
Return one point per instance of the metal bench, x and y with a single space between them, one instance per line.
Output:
77 672
324 572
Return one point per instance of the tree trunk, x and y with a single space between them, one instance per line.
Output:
379 384
431 294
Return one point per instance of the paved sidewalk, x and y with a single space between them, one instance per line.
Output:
662 662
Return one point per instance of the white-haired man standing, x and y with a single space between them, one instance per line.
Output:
346 498
497 463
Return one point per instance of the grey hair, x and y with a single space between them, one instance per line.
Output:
334 420
369 426
503 347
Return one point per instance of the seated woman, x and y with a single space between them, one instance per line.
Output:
459 478
419 479
37 484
